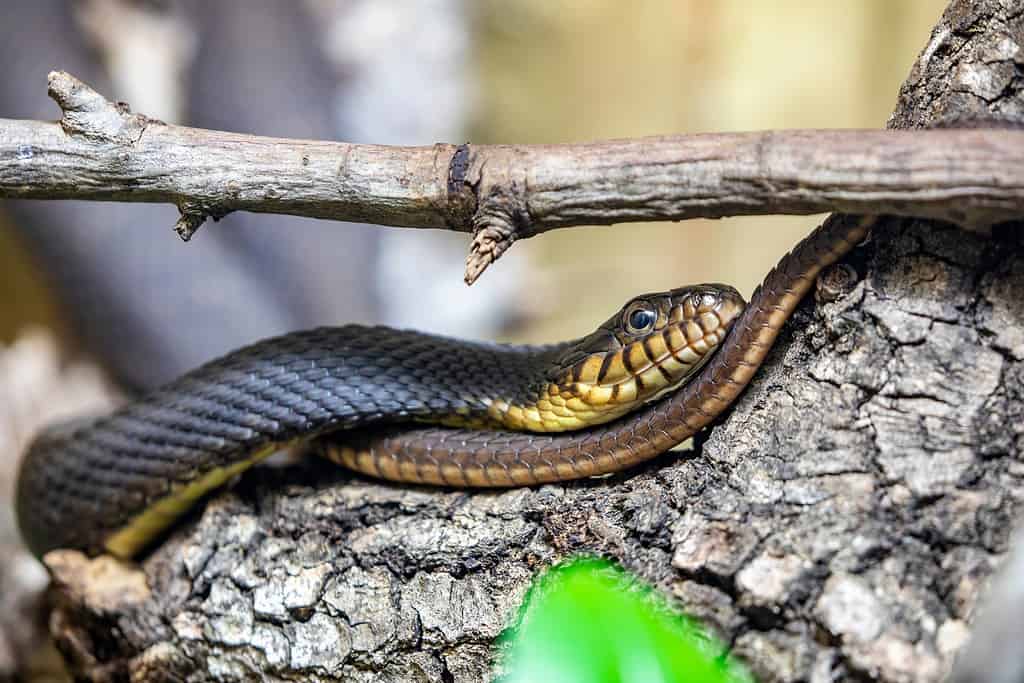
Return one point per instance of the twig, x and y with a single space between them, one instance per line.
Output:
102 151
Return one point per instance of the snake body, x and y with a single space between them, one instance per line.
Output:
115 483
471 458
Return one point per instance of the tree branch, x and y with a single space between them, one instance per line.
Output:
101 151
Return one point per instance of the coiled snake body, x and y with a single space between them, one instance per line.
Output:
503 415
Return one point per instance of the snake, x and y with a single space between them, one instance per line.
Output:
417 408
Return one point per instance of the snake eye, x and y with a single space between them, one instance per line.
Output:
640 319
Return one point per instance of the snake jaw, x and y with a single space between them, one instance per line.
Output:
615 369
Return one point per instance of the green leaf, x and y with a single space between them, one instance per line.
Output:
589 621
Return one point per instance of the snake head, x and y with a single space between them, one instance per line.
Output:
654 344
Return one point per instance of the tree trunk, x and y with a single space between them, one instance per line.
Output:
839 524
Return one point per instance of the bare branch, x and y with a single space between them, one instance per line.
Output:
101 151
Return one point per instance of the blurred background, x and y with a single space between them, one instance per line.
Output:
102 300
413 72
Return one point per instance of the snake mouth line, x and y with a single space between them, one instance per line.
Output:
693 370
689 355
576 403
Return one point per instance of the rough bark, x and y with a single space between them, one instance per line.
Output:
100 150
839 524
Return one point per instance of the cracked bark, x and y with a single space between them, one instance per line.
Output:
840 523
